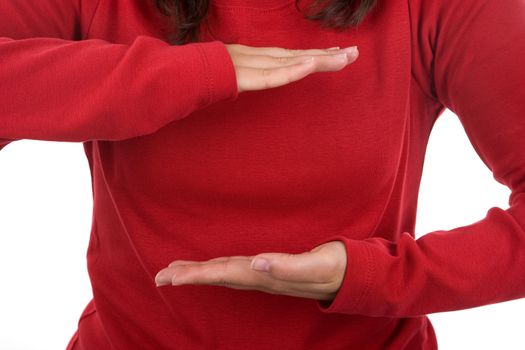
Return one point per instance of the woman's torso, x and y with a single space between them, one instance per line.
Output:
273 170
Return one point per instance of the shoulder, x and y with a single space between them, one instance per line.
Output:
452 39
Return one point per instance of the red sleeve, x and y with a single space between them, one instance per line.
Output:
57 87
478 49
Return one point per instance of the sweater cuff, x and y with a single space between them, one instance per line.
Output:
221 76
358 277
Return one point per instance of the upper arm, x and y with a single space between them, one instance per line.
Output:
64 19
474 63
20 19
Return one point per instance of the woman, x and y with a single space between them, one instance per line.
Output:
244 202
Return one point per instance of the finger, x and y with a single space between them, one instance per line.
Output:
187 262
277 51
257 79
265 61
323 62
181 262
305 267
224 272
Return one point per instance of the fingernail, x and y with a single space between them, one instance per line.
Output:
350 51
340 56
260 264
160 280
334 48
160 283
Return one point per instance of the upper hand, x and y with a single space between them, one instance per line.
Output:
316 274
259 68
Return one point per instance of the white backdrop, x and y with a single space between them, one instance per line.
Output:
45 220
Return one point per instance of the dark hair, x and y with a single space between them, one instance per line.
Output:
186 15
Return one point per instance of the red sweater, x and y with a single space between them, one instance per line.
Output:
184 167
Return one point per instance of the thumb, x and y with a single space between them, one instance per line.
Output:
289 267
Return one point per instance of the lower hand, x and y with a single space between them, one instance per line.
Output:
317 274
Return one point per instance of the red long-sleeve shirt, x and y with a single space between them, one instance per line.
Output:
184 167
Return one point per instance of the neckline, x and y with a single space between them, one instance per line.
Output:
266 5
